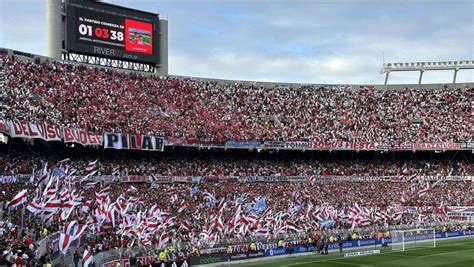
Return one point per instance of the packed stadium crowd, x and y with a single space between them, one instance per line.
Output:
206 213
104 100
65 192
229 165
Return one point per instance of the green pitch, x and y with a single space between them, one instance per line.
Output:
452 253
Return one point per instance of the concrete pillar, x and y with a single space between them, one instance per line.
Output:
386 77
421 76
54 28
162 68
455 74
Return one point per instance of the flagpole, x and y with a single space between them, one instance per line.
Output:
22 220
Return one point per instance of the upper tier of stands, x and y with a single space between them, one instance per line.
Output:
106 100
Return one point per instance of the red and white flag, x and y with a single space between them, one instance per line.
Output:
74 230
52 206
382 215
412 178
91 165
174 198
64 242
34 208
86 206
44 174
65 213
397 216
365 222
404 198
182 207
19 199
423 191
132 189
87 258
163 238
186 225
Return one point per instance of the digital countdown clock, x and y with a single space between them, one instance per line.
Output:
122 35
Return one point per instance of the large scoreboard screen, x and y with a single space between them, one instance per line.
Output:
106 30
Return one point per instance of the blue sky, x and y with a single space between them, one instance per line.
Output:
288 40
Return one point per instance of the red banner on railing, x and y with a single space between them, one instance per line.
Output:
47 132
433 146
342 145
81 137
134 179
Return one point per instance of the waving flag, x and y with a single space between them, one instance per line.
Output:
186 225
412 178
306 193
52 206
74 230
58 172
34 208
86 206
92 173
87 258
397 216
65 213
182 207
174 198
209 197
90 185
92 165
423 191
327 223
116 171
19 199
64 242
364 222
163 238
240 200
381 215
132 189
193 191
404 198
260 205
44 174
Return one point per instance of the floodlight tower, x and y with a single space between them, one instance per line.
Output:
427 66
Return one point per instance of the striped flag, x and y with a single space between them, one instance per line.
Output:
86 206
19 199
92 173
186 225
44 174
182 207
74 230
64 242
92 165
52 206
163 239
412 178
116 171
404 198
423 191
397 216
34 208
87 258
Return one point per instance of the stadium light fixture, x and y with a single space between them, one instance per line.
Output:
454 65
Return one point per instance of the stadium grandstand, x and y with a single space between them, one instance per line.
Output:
106 163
